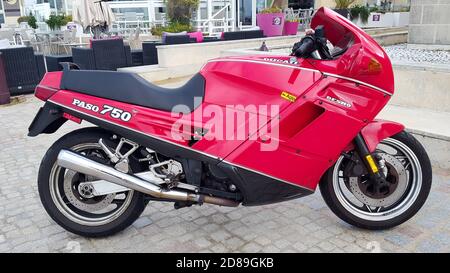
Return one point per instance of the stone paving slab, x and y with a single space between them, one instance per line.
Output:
303 225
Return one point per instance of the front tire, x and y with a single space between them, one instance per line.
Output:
408 160
90 217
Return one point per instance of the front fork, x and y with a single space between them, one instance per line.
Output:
376 176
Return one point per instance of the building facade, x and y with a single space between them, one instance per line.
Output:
220 14
430 24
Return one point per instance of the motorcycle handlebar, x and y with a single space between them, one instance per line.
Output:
306 47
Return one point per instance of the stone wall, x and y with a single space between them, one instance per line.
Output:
429 22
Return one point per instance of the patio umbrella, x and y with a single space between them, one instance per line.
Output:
92 13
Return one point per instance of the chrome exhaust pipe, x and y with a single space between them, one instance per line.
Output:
81 164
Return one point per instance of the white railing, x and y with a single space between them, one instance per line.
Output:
222 20
225 23
304 16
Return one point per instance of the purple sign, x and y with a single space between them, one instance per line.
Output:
276 21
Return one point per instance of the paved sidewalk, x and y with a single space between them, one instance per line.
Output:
303 225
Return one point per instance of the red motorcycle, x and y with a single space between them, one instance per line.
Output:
248 130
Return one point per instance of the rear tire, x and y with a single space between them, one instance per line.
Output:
74 219
405 208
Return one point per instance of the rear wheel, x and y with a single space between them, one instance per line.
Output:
408 173
75 208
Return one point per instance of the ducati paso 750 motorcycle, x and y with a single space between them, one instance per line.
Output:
96 181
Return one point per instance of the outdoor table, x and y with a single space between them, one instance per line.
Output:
136 57
54 60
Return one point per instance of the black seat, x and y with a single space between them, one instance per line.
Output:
130 88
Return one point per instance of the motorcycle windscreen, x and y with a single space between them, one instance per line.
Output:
356 54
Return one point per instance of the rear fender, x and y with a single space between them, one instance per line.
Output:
377 130
47 121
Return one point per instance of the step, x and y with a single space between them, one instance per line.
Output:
431 128
375 31
391 38
424 121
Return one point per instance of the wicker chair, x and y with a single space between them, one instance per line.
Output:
150 52
22 73
107 54
243 34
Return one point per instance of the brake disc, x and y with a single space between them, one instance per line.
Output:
76 198
397 179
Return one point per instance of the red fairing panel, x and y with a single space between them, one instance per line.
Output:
360 60
52 79
256 80
307 150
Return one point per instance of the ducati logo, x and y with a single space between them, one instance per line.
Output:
290 61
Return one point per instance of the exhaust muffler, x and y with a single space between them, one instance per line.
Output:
81 164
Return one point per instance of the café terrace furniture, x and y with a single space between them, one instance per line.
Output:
8 34
53 61
67 40
150 52
104 54
21 69
240 35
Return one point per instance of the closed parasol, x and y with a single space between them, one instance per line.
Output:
92 13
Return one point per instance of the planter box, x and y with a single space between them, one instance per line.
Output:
271 23
290 28
4 90
382 20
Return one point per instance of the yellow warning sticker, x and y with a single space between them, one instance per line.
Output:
287 96
372 164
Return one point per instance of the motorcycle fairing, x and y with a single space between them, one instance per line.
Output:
362 58
317 121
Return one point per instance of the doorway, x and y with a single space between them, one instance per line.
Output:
246 13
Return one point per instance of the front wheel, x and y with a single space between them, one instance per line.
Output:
407 168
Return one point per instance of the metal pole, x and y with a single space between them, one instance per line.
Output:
199 14
210 23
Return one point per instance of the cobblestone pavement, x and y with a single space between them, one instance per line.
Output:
303 225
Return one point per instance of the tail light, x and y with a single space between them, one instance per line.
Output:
44 92
49 85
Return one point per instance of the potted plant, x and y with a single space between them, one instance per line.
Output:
342 7
55 22
291 23
180 11
361 13
30 20
271 21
